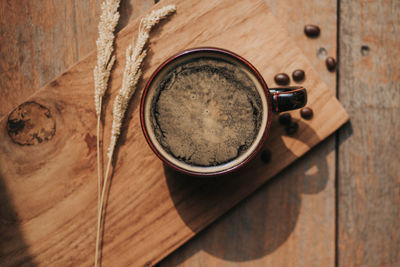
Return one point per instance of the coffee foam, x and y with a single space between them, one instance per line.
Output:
204 112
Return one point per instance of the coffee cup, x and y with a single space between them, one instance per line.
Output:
207 111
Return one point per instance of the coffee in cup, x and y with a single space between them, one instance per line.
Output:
205 111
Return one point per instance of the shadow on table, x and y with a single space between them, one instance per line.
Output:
262 225
13 249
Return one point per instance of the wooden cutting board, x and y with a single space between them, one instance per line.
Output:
48 176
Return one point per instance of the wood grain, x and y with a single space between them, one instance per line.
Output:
41 39
150 211
369 169
296 210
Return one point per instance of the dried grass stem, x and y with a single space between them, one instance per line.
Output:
131 76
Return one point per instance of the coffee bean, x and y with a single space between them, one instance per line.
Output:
306 113
330 63
312 30
292 128
282 79
266 155
298 75
285 119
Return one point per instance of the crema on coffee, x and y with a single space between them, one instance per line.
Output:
206 111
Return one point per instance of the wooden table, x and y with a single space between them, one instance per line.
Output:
338 205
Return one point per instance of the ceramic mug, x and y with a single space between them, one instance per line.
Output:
207 111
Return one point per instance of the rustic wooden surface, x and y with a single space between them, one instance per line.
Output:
296 210
369 159
41 39
48 216
368 211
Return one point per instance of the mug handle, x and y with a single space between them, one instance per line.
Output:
288 98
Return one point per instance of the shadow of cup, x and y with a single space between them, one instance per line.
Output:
248 234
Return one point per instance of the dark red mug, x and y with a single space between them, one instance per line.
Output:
271 100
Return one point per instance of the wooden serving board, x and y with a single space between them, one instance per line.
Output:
49 187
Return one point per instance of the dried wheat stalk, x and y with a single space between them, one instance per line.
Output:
108 21
131 76
105 61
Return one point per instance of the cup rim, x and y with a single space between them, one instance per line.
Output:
266 94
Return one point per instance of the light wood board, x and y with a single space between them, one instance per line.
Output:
52 185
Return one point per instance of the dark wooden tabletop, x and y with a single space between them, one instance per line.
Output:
339 205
